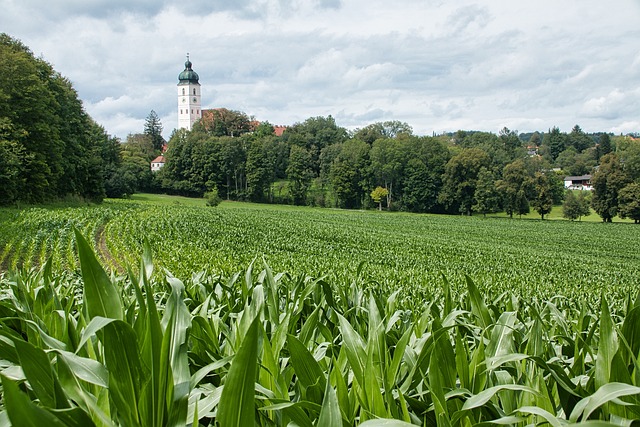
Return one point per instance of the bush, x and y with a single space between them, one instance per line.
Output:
212 197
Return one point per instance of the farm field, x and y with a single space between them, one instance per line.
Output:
353 318
395 251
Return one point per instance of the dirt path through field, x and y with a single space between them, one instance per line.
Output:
103 250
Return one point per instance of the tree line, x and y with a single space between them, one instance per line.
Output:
51 149
319 163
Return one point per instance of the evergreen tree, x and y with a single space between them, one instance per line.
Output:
153 129
604 147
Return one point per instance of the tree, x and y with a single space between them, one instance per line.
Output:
315 134
543 199
387 162
378 194
260 168
224 122
380 130
578 139
348 174
460 179
575 207
515 188
420 187
604 146
556 142
212 197
153 129
486 196
629 202
510 140
300 173
608 180
48 147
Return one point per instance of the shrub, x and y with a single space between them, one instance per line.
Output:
212 197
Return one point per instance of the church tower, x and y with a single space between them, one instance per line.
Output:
189 107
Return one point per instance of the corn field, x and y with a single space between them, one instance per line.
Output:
83 343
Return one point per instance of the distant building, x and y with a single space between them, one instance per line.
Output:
582 182
189 101
157 163
279 129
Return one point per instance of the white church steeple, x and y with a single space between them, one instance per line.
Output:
189 107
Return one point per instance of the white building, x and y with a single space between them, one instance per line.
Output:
189 106
157 163
582 182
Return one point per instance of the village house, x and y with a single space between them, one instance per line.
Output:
582 182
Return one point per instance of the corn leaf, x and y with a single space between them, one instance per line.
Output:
305 366
100 295
126 377
330 415
22 412
603 395
484 396
386 423
478 306
237 406
37 369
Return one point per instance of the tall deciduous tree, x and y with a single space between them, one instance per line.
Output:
349 174
543 198
45 135
387 163
487 198
300 173
629 202
608 180
460 179
575 207
224 122
515 188
315 134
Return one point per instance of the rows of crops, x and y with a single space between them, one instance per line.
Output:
405 251
373 320
395 251
279 350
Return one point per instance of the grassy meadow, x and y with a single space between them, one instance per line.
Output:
161 311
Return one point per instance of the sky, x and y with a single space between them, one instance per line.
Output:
438 66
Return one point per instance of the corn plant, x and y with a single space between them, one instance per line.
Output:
265 349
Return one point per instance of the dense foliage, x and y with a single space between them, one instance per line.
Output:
49 147
321 164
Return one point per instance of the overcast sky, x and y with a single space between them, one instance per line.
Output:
439 66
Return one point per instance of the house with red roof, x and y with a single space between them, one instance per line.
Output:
157 163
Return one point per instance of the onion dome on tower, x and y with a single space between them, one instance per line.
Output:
188 75
189 101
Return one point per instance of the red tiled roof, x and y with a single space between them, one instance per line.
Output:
159 159
279 130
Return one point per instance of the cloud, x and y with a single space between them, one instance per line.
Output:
436 65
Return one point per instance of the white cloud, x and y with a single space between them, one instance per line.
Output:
436 65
